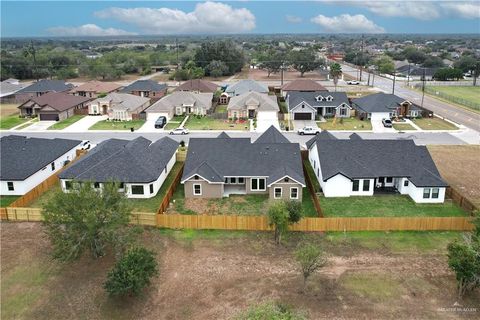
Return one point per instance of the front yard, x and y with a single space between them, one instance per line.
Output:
117 125
207 123
403 127
65 123
8 122
434 123
349 124
386 206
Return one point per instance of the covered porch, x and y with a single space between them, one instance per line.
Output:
386 185
234 185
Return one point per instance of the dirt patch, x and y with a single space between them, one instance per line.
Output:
258 74
8 109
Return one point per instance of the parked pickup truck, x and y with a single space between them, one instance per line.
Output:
308 130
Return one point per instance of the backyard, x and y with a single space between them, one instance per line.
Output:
386 206
65 123
5 201
434 123
369 275
117 125
207 123
349 124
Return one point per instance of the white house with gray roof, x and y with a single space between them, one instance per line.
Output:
252 105
27 162
357 167
139 166
179 103
310 105
246 85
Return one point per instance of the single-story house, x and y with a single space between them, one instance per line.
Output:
219 167
119 106
416 72
41 87
179 103
92 89
198 86
27 162
302 85
310 105
357 167
8 88
253 105
241 87
139 166
381 105
53 106
146 88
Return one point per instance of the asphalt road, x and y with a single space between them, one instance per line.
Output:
459 115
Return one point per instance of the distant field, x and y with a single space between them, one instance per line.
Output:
466 96
8 109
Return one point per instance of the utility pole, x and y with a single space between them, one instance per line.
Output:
361 56
373 76
394 77
423 87
408 74
368 79
281 74
176 48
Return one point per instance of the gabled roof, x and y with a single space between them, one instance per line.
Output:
216 158
20 157
144 85
45 85
178 98
223 135
295 98
303 85
59 101
135 161
123 101
9 87
197 85
264 101
97 86
380 102
322 135
358 158
355 136
244 86
272 135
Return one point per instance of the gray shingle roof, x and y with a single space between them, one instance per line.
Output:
223 135
215 158
379 102
357 158
45 85
178 98
323 135
295 98
247 85
20 157
263 101
144 85
139 161
272 135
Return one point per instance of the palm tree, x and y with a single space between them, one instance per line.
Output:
335 73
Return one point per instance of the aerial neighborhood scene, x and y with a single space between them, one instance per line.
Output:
244 160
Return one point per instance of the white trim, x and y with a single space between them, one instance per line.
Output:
291 192
306 104
197 184
344 104
195 174
286 176
275 193
258 184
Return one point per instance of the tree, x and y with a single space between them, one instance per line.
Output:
335 73
217 68
278 218
225 51
385 65
414 55
433 62
446 74
131 273
86 219
304 61
295 210
310 258
272 61
470 64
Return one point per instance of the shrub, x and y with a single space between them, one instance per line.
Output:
270 311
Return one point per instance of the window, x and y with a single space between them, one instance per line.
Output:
151 187
426 193
258 184
405 183
343 112
314 164
165 169
52 165
121 186
10 186
293 193
366 185
286 179
241 180
68 185
389 179
197 189
277 193
195 177
356 185
137 189
435 192
233 180
96 185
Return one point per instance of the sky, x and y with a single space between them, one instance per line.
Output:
113 18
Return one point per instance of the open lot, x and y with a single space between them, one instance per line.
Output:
467 96
458 165
350 124
65 123
207 123
117 125
217 274
9 116
8 109
434 123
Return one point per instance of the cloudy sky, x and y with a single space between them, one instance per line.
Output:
104 18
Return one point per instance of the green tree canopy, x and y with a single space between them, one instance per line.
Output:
304 61
225 51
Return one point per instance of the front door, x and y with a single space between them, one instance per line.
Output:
381 181
104 109
251 114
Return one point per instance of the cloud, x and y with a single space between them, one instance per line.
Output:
207 17
88 30
467 10
346 23
293 19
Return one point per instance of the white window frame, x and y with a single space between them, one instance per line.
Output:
275 192
429 193
292 188
194 191
258 184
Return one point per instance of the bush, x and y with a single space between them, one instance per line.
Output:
132 273
295 210
270 311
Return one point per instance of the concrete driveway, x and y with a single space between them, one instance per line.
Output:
299 124
377 126
83 124
39 126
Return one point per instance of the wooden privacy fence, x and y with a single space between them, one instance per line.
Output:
170 191
311 189
460 200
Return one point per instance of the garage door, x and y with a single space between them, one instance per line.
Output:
302 116
48 116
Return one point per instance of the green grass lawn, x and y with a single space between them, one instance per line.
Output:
152 204
307 204
311 174
5 201
207 123
8 122
40 201
403 127
386 206
117 125
434 123
65 123
459 94
221 108
348 124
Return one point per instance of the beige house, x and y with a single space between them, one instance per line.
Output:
252 104
119 106
179 103
92 89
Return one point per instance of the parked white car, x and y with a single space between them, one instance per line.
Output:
308 130
179 130
353 82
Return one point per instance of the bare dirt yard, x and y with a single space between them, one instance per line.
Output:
259 74
217 274
459 166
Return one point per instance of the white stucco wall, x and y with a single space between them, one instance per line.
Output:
417 195
22 187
